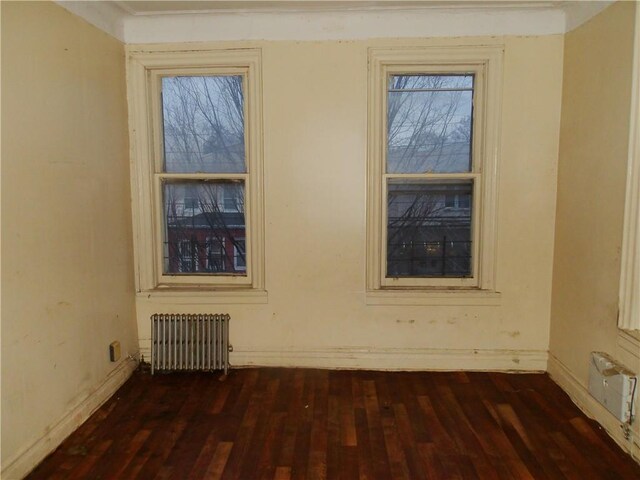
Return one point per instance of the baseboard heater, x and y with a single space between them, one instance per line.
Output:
189 342
613 386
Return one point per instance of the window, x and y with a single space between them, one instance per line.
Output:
231 203
191 203
185 256
216 254
198 171
457 201
239 257
432 168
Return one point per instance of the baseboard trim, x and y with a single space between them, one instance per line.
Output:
393 358
578 392
28 458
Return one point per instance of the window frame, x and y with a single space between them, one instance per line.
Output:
146 67
629 298
485 63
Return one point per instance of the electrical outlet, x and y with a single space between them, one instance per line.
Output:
114 351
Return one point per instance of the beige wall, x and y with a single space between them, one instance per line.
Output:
315 113
591 191
67 272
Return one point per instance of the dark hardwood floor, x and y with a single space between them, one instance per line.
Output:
312 424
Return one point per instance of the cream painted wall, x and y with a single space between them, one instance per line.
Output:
67 268
591 190
315 113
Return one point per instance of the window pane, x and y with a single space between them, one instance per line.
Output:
429 228
429 123
203 234
203 124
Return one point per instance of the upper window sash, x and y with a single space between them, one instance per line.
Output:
159 79
147 69
484 63
418 112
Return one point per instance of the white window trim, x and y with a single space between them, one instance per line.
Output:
144 65
629 302
485 61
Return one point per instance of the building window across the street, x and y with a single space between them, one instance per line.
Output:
239 257
216 254
433 164
198 144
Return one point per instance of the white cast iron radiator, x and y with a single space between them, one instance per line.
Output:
190 342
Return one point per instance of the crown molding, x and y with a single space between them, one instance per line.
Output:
341 25
328 20
146 8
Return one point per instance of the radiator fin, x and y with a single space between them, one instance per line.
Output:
187 342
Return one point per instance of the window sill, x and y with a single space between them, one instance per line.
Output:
186 296
442 297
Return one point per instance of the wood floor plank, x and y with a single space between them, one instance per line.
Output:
379 457
467 437
265 469
438 434
317 465
259 441
433 467
201 464
289 424
260 398
304 420
527 419
365 452
282 473
346 409
85 468
219 461
334 443
407 440
395 454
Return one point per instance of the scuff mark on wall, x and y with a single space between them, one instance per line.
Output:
512 334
